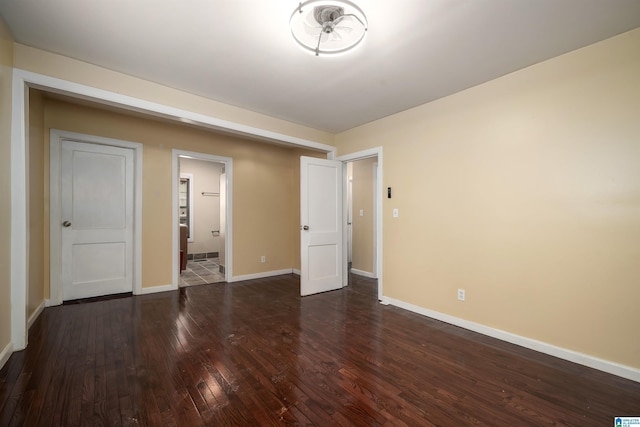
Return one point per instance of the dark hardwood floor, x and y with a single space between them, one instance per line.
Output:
255 353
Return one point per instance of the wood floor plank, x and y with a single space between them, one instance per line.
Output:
12 408
255 353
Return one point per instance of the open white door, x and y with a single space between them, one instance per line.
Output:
321 229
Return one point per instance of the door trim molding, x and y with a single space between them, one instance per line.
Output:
55 238
175 207
359 155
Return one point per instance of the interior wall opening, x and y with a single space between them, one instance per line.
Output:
21 177
361 216
368 165
201 217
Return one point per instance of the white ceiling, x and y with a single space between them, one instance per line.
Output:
241 52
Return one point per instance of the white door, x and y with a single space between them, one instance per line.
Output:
97 219
321 229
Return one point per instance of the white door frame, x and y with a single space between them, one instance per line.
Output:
377 196
175 203
55 236
349 216
377 229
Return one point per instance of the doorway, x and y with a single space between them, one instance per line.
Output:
375 160
202 218
200 222
361 216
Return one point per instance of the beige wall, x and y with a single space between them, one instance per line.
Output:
263 186
362 226
206 209
38 61
35 294
6 74
525 192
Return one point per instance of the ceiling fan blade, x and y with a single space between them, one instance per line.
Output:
344 29
312 30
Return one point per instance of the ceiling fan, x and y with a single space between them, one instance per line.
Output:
328 27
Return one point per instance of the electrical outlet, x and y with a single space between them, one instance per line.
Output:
395 213
460 294
263 258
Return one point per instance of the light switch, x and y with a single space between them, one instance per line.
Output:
361 212
395 212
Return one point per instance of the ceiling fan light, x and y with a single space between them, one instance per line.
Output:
328 27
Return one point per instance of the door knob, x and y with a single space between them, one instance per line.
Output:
305 227
66 224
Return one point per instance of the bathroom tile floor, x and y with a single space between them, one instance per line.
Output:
201 272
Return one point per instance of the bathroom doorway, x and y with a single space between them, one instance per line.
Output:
201 209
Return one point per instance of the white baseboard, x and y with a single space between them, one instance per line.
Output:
353 270
260 275
35 314
5 354
362 273
552 350
47 303
156 289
